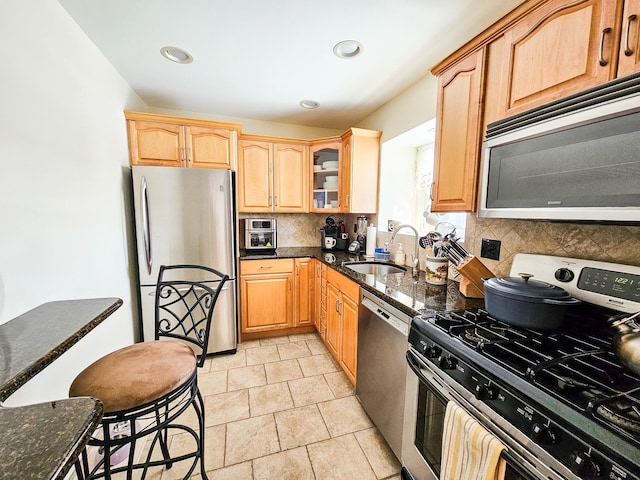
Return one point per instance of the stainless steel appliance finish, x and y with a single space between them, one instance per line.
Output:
577 158
380 379
561 401
187 216
258 234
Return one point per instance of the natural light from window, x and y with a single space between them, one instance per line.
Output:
406 175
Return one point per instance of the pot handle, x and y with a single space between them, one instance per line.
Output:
569 301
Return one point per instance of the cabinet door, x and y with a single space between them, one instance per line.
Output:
363 171
325 159
349 311
266 302
290 178
629 59
254 176
333 331
209 147
344 180
561 48
458 136
303 299
156 143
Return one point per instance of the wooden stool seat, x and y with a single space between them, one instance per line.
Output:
136 375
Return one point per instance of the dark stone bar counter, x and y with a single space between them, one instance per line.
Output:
42 441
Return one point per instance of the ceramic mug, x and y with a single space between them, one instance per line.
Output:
329 242
437 269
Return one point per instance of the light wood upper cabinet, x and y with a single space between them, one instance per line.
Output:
358 181
255 165
458 135
290 178
629 57
272 177
209 147
179 142
561 48
155 143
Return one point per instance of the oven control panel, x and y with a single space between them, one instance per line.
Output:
498 400
610 285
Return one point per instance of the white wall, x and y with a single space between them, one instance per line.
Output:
413 107
63 151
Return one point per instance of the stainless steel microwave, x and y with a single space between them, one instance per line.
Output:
576 159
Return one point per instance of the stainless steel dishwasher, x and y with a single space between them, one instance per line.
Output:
381 373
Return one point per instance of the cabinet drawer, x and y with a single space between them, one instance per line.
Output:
348 287
253 267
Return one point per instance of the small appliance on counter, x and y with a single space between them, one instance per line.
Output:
329 234
258 234
360 229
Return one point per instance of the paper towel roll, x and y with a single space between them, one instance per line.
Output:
371 240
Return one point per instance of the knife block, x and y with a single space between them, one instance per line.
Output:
473 272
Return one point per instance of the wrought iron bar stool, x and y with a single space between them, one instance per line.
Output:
145 387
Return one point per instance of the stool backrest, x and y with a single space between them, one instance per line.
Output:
185 299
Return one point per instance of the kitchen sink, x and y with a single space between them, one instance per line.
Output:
375 268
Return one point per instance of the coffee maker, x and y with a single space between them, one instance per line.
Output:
360 229
329 234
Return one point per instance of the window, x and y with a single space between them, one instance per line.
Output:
406 175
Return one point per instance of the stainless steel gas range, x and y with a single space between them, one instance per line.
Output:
560 401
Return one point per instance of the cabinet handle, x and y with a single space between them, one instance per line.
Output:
266 266
188 155
275 200
337 306
601 59
431 191
289 281
627 48
340 308
270 202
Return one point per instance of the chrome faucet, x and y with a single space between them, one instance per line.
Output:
415 264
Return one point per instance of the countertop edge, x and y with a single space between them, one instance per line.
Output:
11 385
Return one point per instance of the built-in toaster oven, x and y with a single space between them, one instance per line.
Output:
258 233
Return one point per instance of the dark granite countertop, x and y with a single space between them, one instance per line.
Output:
410 295
42 441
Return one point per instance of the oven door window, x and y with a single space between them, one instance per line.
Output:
430 430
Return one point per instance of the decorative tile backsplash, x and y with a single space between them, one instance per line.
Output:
606 243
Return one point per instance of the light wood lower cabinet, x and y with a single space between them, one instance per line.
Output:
320 298
275 297
303 292
341 335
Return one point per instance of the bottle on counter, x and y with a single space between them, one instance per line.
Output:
399 256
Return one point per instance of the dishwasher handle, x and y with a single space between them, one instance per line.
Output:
387 317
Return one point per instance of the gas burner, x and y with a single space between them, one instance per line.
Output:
620 413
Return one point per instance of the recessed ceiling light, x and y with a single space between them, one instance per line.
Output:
310 104
176 54
347 49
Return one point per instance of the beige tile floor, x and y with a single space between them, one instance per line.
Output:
282 408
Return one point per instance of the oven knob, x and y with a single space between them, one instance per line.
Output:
564 275
447 363
583 465
434 351
486 392
543 435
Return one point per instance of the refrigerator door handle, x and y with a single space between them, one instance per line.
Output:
145 225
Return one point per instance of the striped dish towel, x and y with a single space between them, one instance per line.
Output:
469 452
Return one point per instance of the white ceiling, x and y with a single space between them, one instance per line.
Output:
258 59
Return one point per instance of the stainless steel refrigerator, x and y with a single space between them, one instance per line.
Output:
187 216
